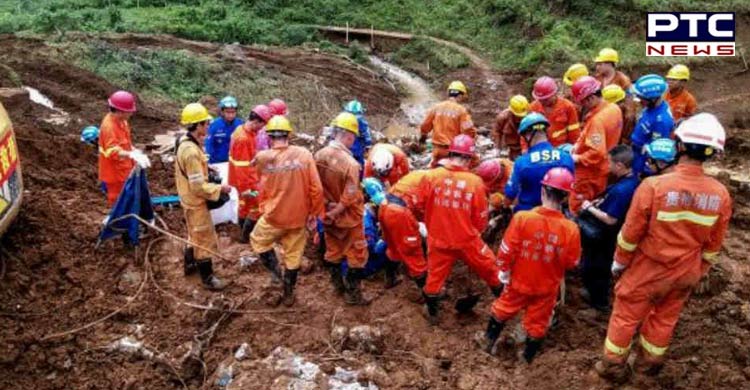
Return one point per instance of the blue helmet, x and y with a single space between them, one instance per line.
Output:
354 107
90 135
567 148
662 149
533 121
649 87
374 190
228 102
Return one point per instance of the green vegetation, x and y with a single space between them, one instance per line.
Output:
429 59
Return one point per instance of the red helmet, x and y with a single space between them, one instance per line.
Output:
263 112
560 178
489 171
277 106
585 87
122 101
462 144
544 88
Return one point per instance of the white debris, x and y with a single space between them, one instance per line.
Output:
246 261
131 346
38 98
366 338
58 118
242 352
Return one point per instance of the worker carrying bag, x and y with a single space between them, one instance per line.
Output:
213 177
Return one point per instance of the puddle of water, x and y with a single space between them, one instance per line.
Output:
419 96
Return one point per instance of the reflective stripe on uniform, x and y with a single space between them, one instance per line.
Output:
711 257
559 133
611 347
651 348
677 216
195 178
624 244
108 152
574 126
239 163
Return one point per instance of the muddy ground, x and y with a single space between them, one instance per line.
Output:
57 287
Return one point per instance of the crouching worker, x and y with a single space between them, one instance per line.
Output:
292 199
539 245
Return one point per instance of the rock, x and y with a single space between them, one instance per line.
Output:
375 374
745 310
466 382
366 338
242 352
225 374
339 337
285 362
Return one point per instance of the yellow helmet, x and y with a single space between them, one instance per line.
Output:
279 123
575 72
519 105
458 86
607 55
194 113
348 122
613 93
679 72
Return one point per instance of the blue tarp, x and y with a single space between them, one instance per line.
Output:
135 198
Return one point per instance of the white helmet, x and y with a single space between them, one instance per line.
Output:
382 160
702 129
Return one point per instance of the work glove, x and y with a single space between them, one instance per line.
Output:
504 277
139 158
423 230
617 269
250 194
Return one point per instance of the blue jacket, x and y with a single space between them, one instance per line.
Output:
218 137
363 142
375 245
653 123
528 171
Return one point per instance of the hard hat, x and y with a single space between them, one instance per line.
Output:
533 121
575 72
458 86
607 55
90 135
584 87
613 93
194 113
382 160
374 190
277 106
519 105
559 178
567 148
354 107
662 149
279 123
348 122
702 129
544 88
489 170
122 101
679 72
462 144
228 102
649 87
262 111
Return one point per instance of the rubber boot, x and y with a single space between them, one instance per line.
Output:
497 290
420 281
337 280
354 295
617 373
189 265
247 227
486 341
391 274
269 261
210 281
433 307
532 348
290 280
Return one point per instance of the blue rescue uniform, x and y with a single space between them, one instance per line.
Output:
218 138
528 171
652 124
363 142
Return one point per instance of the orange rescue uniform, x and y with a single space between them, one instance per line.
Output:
673 232
242 175
538 246
629 110
400 164
682 105
446 120
619 79
505 133
496 189
563 121
114 137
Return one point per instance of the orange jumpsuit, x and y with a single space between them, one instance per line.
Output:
446 120
601 126
619 78
672 234
496 189
563 121
339 174
455 205
400 164
682 105
114 137
242 175
629 110
505 133
538 246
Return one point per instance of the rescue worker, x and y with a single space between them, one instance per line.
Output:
661 155
287 172
606 69
242 175
388 163
455 206
601 132
655 120
600 220
277 107
537 249
90 135
681 102
672 235
221 129
613 93
344 232
571 75
194 189
505 127
446 120
559 111
117 156
363 142
529 169
495 174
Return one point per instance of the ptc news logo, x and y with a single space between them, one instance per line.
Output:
688 34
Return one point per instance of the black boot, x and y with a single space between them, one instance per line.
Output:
420 281
496 291
189 264
269 261
354 295
247 227
337 280
290 280
487 340
532 348
210 281
433 305
391 274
